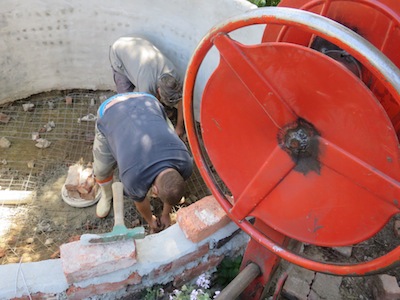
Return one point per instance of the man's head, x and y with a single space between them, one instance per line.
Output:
170 89
170 186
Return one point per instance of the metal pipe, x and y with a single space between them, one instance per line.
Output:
240 282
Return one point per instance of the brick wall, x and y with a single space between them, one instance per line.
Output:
201 238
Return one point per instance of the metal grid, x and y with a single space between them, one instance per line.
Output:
34 231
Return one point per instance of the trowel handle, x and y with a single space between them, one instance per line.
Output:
118 203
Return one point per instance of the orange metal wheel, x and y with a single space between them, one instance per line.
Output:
302 143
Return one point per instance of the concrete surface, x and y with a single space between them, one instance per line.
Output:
64 44
29 278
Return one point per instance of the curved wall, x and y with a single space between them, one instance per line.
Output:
63 44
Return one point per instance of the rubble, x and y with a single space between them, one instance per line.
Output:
4 143
88 118
28 106
80 183
4 118
68 100
42 143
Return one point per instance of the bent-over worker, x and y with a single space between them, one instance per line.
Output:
134 134
140 66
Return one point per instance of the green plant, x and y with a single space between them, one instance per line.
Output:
154 293
261 3
227 270
201 290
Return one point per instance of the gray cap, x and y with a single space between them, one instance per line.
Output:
170 89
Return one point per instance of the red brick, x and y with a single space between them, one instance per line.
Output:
386 288
37 296
181 262
162 270
103 288
198 253
201 219
196 271
4 118
81 262
73 176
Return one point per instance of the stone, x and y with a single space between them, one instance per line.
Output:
4 118
48 241
345 251
4 143
325 287
42 143
28 106
298 284
31 164
35 136
385 287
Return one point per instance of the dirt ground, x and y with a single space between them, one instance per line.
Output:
380 244
34 231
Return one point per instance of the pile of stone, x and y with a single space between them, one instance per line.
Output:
80 183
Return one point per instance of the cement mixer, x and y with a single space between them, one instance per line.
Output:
298 136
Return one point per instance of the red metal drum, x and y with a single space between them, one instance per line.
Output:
296 150
378 21
303 130
301 142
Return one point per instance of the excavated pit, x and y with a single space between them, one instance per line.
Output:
34 231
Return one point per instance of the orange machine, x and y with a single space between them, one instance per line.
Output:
303 129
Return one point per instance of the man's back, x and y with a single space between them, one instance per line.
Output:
142 142
141 62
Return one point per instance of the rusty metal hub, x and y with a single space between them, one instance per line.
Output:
300 141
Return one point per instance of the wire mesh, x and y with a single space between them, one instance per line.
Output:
34 231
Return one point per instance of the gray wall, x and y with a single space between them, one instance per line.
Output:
63 44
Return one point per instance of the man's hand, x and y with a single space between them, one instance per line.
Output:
155 225
165 221
180 130
145 210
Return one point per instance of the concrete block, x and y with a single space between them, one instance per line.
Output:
201 219
325 287
385 287
81 262
298 283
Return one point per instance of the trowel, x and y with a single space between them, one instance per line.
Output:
120 232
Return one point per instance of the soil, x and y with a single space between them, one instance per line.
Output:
34 231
